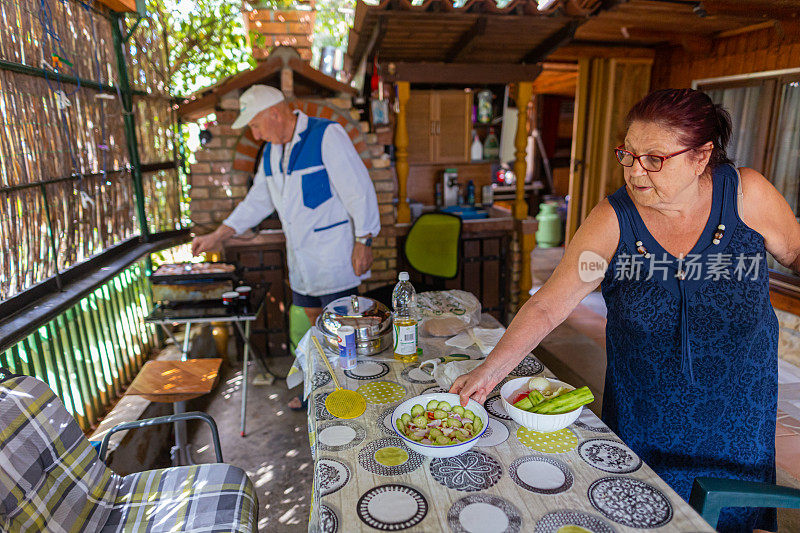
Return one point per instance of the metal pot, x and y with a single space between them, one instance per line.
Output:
371 319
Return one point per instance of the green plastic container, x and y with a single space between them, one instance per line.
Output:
549 233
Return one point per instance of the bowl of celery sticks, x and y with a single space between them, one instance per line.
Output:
544 404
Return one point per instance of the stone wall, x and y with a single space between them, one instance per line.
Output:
219 178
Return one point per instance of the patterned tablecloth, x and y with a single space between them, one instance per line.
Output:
513 480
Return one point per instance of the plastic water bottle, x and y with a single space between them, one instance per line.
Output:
405 333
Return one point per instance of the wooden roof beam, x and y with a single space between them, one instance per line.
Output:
578 49
460 73
552 43
466 42
375 40
310 73
691 42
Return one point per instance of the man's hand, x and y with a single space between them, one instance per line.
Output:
362 258
211 241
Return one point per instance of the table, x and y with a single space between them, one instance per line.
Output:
193 312
514 480
176 382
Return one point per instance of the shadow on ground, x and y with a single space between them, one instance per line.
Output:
275 453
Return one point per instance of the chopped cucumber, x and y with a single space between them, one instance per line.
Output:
453 423
435 432
569 401
469 414
400 425
477 425
417 410
442 440
438 414
433 404
444 406
458 410
535 398
420 421
524 404
406 418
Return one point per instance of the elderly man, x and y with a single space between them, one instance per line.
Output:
312 176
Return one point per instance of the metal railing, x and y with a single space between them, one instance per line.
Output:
90 352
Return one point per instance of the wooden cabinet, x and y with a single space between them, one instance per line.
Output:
439 126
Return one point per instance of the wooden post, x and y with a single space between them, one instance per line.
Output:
523 96
401 154
527 242
287 82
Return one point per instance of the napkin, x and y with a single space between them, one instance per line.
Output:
486 339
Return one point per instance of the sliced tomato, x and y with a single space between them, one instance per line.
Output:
429 414
519 397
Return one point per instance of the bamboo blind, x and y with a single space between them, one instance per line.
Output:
89 353
66 190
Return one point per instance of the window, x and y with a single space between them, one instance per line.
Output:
765 115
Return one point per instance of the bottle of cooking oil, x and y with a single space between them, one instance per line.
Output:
404 303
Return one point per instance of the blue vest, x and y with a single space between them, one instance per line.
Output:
306 153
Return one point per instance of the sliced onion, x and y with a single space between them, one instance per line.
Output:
426 441
434 423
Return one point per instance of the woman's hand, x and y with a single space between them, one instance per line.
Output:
548 307
477 384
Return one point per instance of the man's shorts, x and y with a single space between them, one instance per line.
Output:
303 300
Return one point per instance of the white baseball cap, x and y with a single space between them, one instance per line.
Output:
255 100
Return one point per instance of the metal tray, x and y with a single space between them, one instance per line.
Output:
200 277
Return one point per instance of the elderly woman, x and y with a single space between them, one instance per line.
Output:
691 337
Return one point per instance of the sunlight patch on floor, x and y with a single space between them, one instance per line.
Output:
288 517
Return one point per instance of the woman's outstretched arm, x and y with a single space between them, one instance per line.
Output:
578 274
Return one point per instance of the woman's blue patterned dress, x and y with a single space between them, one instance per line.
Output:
691 383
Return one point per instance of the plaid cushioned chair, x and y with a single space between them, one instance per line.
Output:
52 479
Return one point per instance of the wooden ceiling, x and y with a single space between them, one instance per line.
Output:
475 33
479 32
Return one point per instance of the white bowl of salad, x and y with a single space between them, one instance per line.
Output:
436 425
559 404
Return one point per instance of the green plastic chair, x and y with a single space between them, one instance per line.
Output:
298 325
710 495
432 245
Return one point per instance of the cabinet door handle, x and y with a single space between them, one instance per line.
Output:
438 127
433 127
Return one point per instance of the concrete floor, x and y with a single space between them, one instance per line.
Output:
275 453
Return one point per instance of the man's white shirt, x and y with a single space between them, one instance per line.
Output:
319 237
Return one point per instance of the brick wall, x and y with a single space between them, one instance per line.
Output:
293 28
219 178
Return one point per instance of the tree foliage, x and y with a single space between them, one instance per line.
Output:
206 41
334 20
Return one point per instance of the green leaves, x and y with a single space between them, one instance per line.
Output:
207 41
